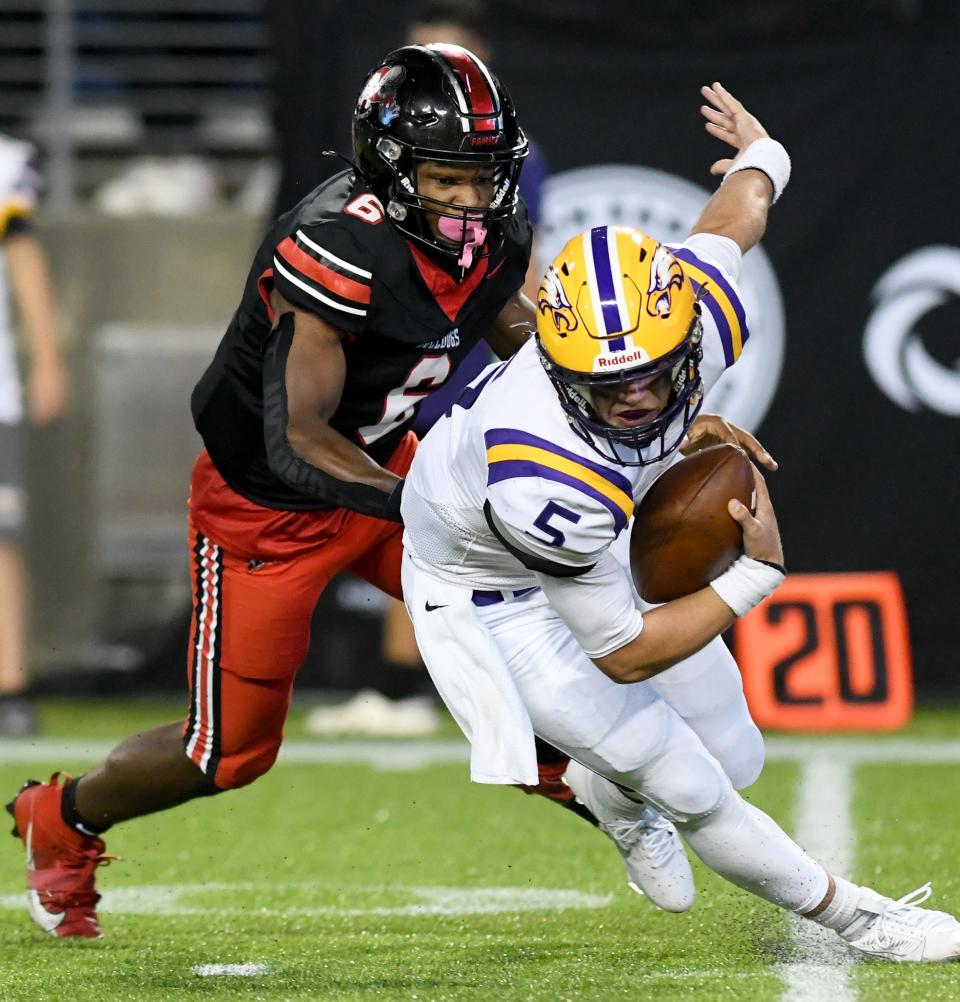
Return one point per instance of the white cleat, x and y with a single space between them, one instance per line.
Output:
371 713
902 931
654 857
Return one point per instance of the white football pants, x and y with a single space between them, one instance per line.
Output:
630 734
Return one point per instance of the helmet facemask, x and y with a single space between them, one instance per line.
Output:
466 232
653 440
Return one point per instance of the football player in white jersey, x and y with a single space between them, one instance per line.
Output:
25 285
516 511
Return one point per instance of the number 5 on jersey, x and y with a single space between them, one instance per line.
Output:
552 510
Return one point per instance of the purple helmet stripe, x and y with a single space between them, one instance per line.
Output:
612 323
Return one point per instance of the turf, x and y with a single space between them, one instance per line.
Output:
908 825
346 882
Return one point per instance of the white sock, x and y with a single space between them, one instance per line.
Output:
609 800
841 910
750 850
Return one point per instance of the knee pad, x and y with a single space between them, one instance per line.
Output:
743 757
685 785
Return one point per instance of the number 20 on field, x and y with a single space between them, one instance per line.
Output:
828 652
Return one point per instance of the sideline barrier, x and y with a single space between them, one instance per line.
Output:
828 652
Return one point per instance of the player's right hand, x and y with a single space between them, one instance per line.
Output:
761 534
729 121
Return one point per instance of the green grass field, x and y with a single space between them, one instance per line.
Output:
345 880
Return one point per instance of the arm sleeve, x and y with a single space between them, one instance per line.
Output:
713 264
597 606
287 465
327 270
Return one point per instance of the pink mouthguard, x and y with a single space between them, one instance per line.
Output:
473 233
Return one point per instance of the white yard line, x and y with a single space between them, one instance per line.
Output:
823 827
229 970
247 898
407 754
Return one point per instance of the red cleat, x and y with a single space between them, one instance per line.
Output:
61 893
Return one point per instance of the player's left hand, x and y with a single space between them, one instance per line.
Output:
712 429
728 120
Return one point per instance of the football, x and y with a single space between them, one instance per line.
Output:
683 535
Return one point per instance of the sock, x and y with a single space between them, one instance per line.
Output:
15 696
841 910
402 681
620 802
551 765
70 815
749 849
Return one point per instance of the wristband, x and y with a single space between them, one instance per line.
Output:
768 156
747 582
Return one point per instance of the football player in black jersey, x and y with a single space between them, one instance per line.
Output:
361 301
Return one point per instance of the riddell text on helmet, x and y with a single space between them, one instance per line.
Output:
621 358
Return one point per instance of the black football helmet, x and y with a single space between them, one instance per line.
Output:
439 103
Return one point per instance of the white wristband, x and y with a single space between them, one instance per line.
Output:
746 583
765 155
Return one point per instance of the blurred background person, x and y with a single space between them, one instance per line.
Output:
404 702
26 292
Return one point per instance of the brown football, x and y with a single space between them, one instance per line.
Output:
683 535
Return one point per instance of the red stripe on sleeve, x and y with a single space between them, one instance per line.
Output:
345 287
264 285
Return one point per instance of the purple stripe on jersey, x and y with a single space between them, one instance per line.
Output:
723 325
511 436
510 469
608 296
716 276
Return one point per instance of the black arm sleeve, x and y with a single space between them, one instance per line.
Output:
286 464
531 561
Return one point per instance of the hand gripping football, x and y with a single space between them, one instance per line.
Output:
683 535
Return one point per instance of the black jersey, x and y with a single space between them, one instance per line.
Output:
408 323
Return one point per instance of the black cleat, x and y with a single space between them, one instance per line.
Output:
9 807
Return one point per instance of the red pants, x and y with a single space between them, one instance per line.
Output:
258 574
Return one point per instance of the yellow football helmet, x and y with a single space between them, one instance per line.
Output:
615 307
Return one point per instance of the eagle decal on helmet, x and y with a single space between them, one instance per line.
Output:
665 275
552 298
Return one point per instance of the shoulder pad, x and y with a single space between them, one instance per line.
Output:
19 179
326 266
555 503
720 300
518 233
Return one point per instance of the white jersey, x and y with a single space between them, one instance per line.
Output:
18 199
506 472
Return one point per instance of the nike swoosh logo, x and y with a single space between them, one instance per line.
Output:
47 921
433 608
495 269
